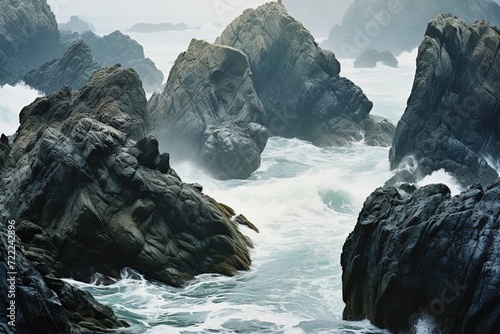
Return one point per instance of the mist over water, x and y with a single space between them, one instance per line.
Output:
12 100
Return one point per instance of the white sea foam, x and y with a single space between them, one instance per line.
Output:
12 100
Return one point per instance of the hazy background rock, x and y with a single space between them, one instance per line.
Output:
76 24
452 121
371 57
157 27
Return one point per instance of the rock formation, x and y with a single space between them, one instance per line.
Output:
73 69
28 37
117 48
397 25
209 111
371 57
452 119
425 256
76 24
298 82
91 199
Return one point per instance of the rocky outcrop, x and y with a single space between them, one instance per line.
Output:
298 82
117 48
397 25
451 121
28 37
209 111
371 57
157 27
91 199
425 256
76 24
73 69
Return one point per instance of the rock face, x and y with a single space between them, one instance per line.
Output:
90 199
117 48
452 119
28 37
396 25
77 25
297 81
425 255
209 111
73 69
371 57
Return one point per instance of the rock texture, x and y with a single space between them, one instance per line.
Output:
117 48
452 119
397 25
90 199
298 82
76 24
371 57
28 37
73 69
209 111
426 255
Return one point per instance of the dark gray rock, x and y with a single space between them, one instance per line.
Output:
209 111
117 48
93 200
425 256
28 37
397 25
157 27
73 69
371 57
452 119
298 82
76 24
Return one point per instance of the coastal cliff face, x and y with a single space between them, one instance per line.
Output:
28 37
425 256
299 83
92 193
452 119
397 25
209 111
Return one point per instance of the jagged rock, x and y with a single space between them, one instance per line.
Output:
425 256
371 57
73 69
28 37
152 27
209 111
117 48
93 201
76 24
397 25
452 121
297 81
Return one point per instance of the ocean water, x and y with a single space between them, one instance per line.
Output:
304 200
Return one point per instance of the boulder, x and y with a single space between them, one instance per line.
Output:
397 25
209 111
84 180
117 48
298 82
73 69
452 121
28 37
371 57
425 257
76 24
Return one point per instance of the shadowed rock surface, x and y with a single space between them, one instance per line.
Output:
117 48
452 119
209 111
73 69
28 37
426 255
298 82
397 25
371 57
76 24
90 199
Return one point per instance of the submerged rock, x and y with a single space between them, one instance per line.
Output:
91 199
73 69
209 111
298 82
28 37
371 57
452 119
397 25
425 256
